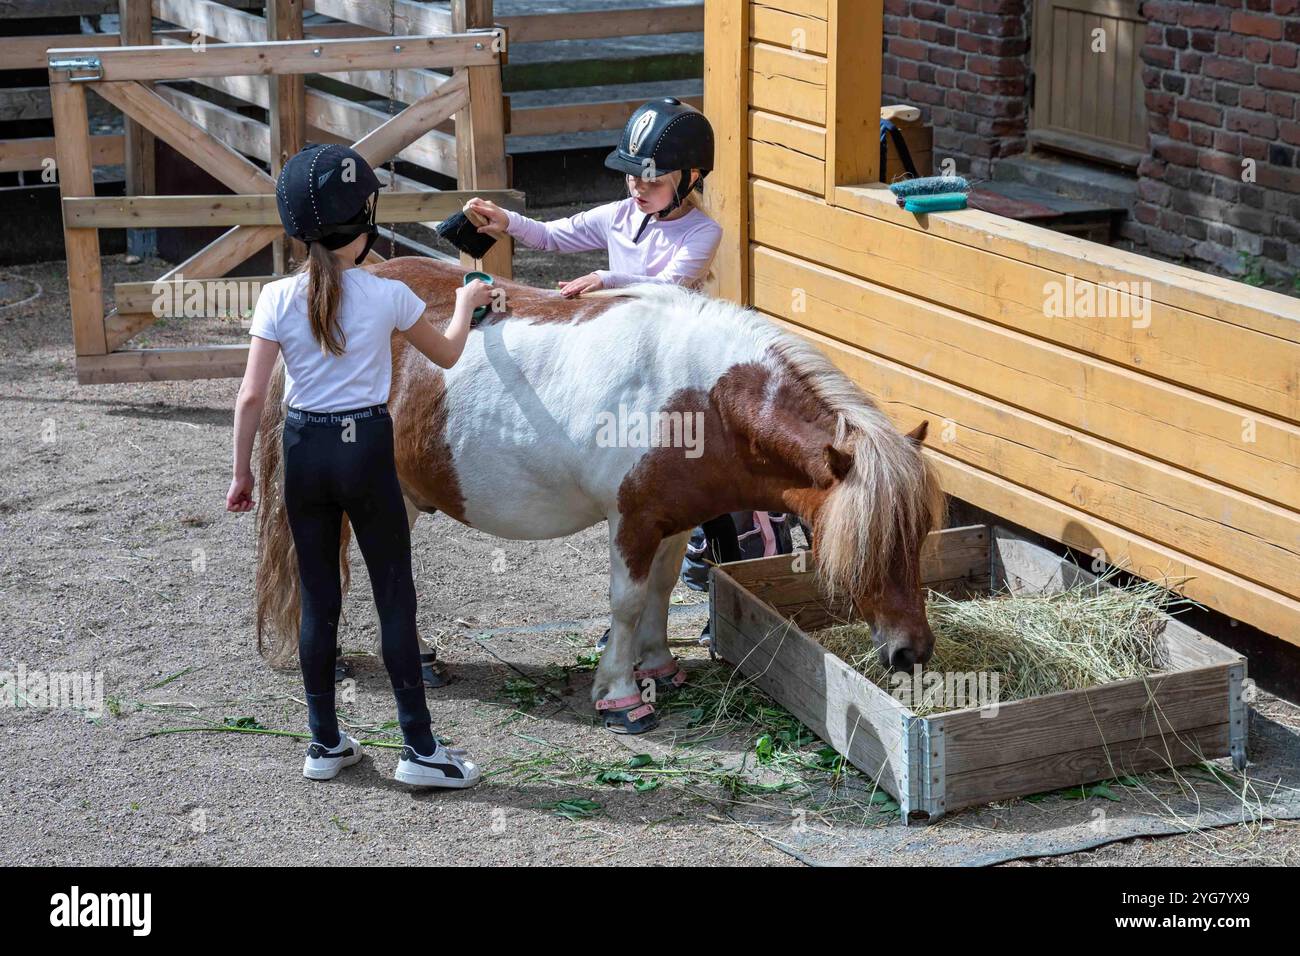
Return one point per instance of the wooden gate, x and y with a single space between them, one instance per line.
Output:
1088 95
121 76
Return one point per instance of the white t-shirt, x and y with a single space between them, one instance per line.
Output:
370 309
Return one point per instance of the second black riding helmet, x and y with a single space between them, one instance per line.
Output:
662 136
327 193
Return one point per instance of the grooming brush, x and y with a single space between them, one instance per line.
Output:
461 230
931 193
482 310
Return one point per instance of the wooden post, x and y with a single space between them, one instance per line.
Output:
76 178
480 131
136 29
726 104
853 80
287 118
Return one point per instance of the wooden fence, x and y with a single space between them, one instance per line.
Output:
1121 405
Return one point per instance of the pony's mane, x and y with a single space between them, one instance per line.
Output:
890 497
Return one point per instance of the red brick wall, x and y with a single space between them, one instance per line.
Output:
1222 87
1222 84
964 62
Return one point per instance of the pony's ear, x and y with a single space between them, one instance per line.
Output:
838 462
917 434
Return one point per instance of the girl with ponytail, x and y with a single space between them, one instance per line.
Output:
332 322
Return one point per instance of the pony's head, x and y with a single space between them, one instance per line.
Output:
868 535
875 498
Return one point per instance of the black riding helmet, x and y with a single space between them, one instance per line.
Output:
663 136
327 193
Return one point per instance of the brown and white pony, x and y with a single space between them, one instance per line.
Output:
653 411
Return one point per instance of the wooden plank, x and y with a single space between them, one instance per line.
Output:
1053 724
393 16
579 117
1146 416
632 21
853 80
241 133
170 125
1043 774
288 56
19 9
1248 368
212 20
28 53
20 155
803 32
288 119
408 84
480 138
851 714
786 166
136 24
785 82
81 246
231 249
24 103
160 365
120 328
790 133
726 88
1177 287
259 209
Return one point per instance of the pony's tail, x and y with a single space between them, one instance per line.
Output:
279 603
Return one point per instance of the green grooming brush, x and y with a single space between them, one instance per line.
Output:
931 193
482 310
938 202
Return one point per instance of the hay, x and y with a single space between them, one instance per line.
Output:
1037 644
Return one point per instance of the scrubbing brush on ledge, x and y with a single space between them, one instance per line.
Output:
931 193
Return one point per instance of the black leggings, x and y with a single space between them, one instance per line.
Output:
337 462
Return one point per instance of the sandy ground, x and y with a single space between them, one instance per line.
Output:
120 558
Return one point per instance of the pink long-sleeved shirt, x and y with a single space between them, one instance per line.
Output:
678 250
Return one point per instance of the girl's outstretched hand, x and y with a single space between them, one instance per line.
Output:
575 287
496 217
240 495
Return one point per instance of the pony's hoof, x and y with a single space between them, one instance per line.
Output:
627 715
434 672
668 679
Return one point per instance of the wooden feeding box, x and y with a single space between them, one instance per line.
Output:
1190 711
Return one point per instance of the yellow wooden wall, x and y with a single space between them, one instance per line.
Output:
1168 442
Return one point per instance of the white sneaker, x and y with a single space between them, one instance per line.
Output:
442 768
324 763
